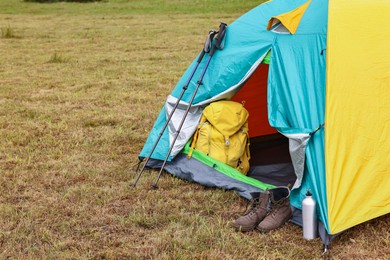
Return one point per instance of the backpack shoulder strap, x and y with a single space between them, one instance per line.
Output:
195 137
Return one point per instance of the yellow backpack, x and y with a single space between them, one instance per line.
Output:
222 134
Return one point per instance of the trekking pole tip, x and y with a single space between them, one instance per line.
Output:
154 186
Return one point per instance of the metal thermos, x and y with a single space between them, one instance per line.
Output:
309 217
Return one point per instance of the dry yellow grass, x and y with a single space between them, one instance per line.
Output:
78 96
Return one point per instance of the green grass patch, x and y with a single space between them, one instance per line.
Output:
124 7
56 1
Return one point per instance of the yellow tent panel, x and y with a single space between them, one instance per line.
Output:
357 138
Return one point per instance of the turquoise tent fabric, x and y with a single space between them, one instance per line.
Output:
296 96
296 83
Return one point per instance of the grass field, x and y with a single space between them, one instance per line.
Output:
80 87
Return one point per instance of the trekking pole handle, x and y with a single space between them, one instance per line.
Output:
209 40
220 36
207 45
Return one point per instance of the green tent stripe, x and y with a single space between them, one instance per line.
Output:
226 169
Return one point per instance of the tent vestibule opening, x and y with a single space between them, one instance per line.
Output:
270 158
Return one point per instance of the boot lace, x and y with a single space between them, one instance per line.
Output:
275 208
252 207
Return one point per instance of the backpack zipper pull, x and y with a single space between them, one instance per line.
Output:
227 142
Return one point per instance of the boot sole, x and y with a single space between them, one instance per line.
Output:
268 230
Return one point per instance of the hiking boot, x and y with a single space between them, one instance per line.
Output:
280 211
257 212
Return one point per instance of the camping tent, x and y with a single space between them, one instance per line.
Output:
319 107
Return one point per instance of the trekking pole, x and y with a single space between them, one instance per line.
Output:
206 49
216 45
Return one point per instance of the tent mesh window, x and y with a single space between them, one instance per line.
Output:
281 29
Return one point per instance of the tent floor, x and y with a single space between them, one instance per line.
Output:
270 163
